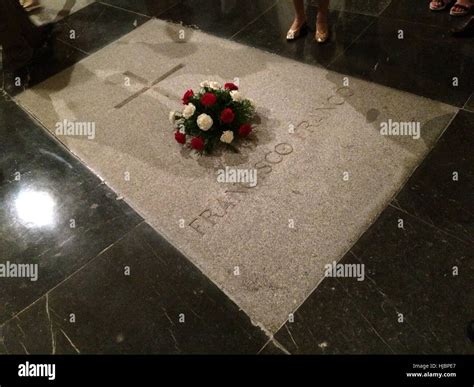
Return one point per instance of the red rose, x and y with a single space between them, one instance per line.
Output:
187 96
245 130
231 86
227 116
208 99
180 137
197 143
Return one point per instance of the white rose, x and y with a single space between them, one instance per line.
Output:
189 111
215 85
227 136
172 117
205 122
205 84
236 96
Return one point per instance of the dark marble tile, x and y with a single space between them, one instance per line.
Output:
378 309
136 313
424 62
57 58
272 349
433 194
366 7
470 104
97 25
223 18
144 7
3 349
419 12
329 323
414 267
54 213
269 33
407 271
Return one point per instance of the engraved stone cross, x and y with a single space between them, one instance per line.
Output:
146 82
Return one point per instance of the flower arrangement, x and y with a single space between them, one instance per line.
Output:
214 115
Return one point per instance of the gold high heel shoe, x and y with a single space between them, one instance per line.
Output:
295 34
322 32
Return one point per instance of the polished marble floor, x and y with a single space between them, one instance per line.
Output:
114 285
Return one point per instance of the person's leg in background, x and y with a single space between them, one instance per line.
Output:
300 21
322 25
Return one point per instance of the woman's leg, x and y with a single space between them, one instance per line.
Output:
300 14
322 28
299 21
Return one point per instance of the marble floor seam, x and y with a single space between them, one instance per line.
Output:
254 20
125 9
70 275
280 346
431 225
74 47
